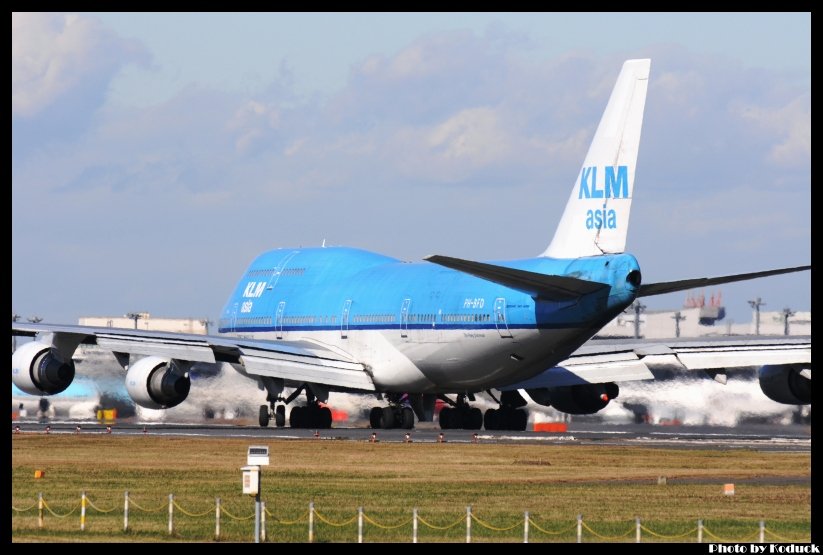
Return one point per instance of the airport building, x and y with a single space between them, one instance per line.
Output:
144 321
700 318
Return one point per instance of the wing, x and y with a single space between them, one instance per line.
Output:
616 360
299 361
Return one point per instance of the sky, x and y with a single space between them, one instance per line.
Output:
155 155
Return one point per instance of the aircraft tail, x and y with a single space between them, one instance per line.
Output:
596 218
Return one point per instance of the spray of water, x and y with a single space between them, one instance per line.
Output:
230 395
689 401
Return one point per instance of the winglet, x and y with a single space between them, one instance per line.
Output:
596 218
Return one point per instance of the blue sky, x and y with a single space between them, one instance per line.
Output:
155 155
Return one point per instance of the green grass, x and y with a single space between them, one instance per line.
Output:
609 486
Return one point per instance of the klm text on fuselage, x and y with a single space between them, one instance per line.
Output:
615 184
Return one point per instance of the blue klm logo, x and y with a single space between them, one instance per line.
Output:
616 185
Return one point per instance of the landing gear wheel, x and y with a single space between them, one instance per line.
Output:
491 420
296 418
388 418
376 417
408 418
473 419
519 420
264 416
280 416
324 418
445 418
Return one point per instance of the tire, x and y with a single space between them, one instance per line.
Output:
473 419
408 418
376 417
263 417
456 418
324 418
388 418
445 418
491 420
280 416
520 420
296 417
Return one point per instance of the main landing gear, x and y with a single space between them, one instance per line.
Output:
397 415
312 415
509 416
460 415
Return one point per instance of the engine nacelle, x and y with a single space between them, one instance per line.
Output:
40 369
157 383
786 384
576 399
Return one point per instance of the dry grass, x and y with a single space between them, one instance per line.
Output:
610 486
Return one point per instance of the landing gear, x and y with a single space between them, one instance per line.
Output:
396 415
461 417
506 418
280 416
310 416
510 415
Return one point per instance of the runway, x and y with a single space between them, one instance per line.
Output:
795 438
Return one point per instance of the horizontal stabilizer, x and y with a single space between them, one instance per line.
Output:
649 289
554 288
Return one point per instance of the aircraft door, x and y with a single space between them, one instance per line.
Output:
500 317
404 318
278 319
233 325
344 319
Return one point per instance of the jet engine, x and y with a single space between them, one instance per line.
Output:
40 369
576 399
789 384
157 383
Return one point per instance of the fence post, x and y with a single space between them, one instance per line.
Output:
700 531
762 531
579 528
469 524
171 513
40 510
637 534
262 521
217 519
126 511
83 511
414 525
311 521
359 524
526 528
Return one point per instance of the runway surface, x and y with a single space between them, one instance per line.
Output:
795 438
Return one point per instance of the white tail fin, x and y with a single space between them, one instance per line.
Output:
596 218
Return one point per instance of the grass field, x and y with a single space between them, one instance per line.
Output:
609 486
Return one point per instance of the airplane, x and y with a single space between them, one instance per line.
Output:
316 320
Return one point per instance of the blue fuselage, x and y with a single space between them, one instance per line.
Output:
457 330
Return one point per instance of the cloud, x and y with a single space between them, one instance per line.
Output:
61 67
419 149
790 124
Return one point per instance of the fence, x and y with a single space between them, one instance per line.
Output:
527 524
